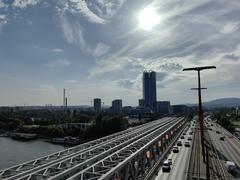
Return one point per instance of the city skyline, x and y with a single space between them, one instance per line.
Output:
101 50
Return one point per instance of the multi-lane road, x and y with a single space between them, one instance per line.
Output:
228 148
180 160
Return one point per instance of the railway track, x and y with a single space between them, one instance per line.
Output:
194 170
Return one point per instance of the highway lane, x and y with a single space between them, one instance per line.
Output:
226 149
180 162
229 146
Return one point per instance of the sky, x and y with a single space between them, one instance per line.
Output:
100 49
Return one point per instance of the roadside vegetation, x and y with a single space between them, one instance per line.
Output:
227 118
47 123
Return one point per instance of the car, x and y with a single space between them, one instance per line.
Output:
189 138
211 124
179 143
166 167
175 149
187 144
210 129
182 137
190 133
222 138
217 132
184 134
170 161
231 166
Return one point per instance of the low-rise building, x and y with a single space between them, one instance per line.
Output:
82 126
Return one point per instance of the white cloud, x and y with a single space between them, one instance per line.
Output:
3 20
72 81
97 11
230 28
81 6
46 87
100 49
57 50
2 4
24 3
58 63
73 33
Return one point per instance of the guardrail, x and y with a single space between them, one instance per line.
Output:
84 159
134 160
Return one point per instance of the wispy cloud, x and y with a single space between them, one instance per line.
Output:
2 4
100 49
73 33
58 63
57 50
230 27
24 3
3 20
81 6
231 57
99 11
71 81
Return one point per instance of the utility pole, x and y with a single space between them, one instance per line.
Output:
200 111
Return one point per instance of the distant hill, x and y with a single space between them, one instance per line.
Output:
219 103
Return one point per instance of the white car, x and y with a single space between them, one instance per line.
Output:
166 167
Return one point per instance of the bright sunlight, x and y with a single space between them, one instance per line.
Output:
148 18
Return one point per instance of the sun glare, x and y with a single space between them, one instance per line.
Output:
148 18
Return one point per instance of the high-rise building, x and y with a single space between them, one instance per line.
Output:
149 89
117 106
64 98
97 104
163 107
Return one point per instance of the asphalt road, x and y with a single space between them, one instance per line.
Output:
229 148
180 162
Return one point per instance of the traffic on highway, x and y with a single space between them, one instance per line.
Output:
228 148
176 164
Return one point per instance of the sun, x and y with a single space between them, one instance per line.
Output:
148 18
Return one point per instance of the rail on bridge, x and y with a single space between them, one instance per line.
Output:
132 153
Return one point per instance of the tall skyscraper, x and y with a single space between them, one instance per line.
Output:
97 104
149 89
117 106
64 98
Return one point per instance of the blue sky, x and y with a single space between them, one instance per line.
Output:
97 49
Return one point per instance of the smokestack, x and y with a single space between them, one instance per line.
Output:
64 97
66 102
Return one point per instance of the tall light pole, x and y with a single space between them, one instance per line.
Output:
200 111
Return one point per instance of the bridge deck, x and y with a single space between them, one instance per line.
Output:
97 155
